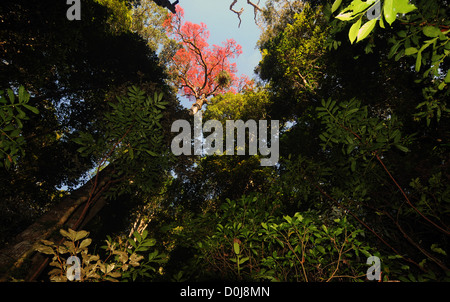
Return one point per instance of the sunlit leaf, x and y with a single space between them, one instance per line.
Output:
366 29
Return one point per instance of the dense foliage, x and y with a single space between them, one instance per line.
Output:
360 89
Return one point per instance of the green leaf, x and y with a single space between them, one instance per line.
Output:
11 95
85 243
353 166
393 7
21 93
345 17
160 97
366 29
66 234
298 216
447 77
418 61
78 140
401 148
411 50
15 133
31 108
431 31
45 249
132 242
396 135
436 249
131 152
137 236
115 275
151 153
382 23
350 148
336 5
236 247
404 7
80 235
149 242
351 111
82 149
353 33
388 10
10 127
288 219
402 34
21 114
394 49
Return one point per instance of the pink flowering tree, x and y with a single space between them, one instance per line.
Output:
198 69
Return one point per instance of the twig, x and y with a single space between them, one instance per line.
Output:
238 13
406 197
393 179
435 260
365 225
255 7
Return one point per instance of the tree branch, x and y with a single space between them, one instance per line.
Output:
238 13
199 53
255 7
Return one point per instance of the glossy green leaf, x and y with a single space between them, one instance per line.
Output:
388 10
66 234
431 31
85 243
236 247
404 6
80 235
45 249
366 29
345 16
31 108
418 61
402 148
410 51
336 5
354 29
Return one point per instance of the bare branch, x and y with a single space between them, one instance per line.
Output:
255 7
237 12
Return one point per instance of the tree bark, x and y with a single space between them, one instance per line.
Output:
197 106
73 211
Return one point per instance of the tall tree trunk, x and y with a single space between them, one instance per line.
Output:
74 211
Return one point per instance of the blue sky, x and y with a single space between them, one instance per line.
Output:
223 24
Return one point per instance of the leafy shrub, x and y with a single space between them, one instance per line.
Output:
12 115
253 241
124 260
